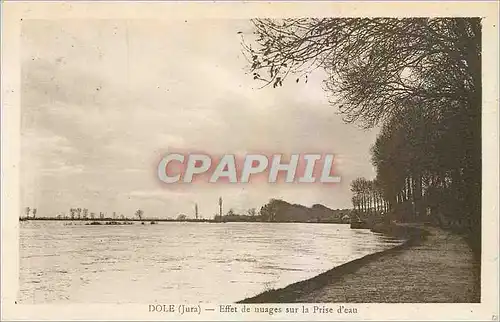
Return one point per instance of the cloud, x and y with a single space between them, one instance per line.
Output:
103 100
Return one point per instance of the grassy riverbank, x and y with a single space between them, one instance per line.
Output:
433 265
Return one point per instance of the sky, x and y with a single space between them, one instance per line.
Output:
103 100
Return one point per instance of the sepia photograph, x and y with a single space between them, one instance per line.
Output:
213 164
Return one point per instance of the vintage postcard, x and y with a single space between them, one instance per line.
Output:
250 161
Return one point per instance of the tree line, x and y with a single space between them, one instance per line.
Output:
418 79
368 197
83 214
277 210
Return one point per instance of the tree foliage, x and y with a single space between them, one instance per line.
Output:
375 67
139 213
368 197
417 78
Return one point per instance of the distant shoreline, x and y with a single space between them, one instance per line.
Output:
178 220
386 274
275 211
113 219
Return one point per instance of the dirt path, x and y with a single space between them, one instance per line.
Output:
440 268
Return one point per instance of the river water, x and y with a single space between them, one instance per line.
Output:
179 262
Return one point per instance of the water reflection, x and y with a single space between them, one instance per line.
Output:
179 262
